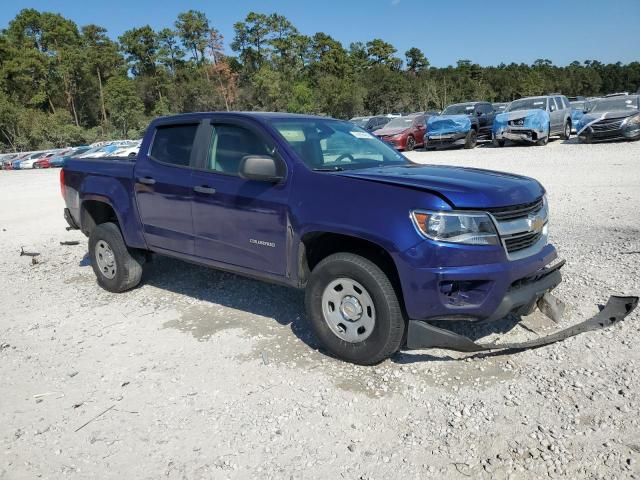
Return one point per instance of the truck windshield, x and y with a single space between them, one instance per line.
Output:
527 104
459 109
332 145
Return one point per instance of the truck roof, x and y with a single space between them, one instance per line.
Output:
257 115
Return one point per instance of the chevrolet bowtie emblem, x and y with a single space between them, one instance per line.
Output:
535 223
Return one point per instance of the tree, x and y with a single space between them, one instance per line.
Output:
123 104
193 29
416 61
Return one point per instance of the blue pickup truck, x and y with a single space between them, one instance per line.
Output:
381 245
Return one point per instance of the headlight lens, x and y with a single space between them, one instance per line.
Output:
635 121
456 227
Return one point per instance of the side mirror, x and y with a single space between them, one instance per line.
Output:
585 110
552 108
261 168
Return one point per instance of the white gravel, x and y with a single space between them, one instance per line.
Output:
208 375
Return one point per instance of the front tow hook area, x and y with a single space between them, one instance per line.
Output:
422 335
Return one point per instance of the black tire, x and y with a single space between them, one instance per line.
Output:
410 144
128 263
498 143
387 334
472 139
543 141
566 131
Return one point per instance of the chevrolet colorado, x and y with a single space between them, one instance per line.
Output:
380 244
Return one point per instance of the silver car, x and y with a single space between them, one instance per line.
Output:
533 120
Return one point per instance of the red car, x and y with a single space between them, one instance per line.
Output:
403 133
44 161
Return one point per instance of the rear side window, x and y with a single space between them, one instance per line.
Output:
173 143
559 103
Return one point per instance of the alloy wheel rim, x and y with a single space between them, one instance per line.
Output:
348 310
105 259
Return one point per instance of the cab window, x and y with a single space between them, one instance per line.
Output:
172 144
230 144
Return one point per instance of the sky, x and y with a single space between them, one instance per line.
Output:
486 32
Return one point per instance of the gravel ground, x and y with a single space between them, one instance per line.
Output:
201 374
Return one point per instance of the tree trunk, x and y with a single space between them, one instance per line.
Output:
102 107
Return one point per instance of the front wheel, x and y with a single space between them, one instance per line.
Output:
354 309
498 142
411 143
543 141
567 131
117 268
472 139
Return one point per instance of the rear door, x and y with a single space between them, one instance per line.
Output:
164 187
239 222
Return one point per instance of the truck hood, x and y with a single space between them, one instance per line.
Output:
468 188
448 124
384 132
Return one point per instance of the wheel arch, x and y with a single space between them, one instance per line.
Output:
317 245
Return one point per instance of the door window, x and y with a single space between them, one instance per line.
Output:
559 103
173 143
552 104
230 144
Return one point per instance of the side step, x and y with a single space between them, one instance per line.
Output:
422 335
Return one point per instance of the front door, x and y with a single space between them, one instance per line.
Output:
239 222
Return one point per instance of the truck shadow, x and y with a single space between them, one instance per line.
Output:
283 304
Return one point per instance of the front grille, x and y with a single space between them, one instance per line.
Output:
502 214
607 125
520 242
517 123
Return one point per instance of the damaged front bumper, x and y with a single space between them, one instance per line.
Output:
522 299
422 335
529 135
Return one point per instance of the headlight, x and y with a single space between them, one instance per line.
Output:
456 227
634 121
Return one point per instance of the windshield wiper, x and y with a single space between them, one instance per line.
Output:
328 169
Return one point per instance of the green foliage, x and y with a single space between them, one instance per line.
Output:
60 84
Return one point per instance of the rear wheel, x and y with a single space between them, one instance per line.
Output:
117 268
411 143
472 139
354 309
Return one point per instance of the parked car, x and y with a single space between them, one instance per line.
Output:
578 98
102 151
499 107
126 151
6 159
8 164
403 133
28 161
578 107
533 120
460 124
371 123
377 250
43 161
611 118
58 159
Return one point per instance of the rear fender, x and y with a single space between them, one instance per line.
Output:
112 192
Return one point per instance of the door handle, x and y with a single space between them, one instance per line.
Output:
147 180
204 189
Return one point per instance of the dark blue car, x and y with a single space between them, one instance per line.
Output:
381 244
